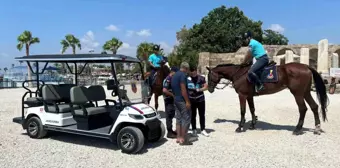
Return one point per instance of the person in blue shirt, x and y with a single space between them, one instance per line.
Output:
257 51
169 102
154 61
179 86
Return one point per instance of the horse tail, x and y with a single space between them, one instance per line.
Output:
320 92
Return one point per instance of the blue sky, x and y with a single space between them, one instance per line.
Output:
134 21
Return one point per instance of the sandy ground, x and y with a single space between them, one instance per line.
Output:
271 145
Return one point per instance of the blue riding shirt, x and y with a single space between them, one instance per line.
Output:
155 60
257 49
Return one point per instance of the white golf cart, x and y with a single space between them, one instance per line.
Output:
75 109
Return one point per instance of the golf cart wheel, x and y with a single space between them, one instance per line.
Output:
130 140
35 128
161 133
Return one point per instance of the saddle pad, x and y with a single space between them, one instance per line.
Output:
269 74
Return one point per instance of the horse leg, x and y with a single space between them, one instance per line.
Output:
312 104
302 110
243 101
250 101
156 102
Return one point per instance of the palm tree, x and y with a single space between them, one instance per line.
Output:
73 42
26 39
112 45
5 69
70 41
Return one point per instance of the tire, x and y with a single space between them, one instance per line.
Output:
133 134
35 128
160 135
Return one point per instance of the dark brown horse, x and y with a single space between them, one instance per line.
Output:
294 76
157 87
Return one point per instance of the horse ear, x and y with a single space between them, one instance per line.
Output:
208 68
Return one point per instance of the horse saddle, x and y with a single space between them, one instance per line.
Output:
269 73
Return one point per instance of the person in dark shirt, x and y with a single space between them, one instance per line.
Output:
197 100
169 102
179 86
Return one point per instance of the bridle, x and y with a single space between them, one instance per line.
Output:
229 81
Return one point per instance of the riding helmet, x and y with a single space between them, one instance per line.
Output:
248 34
156 47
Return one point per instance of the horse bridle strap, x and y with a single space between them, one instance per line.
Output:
232 80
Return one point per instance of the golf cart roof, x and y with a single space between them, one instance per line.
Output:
85 58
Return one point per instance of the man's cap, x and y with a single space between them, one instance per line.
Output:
174 69
247 34
156 47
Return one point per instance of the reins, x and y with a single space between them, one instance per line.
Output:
232 78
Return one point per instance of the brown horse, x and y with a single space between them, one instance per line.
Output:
157 87
294 76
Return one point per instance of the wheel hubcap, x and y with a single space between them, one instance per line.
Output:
127 140
33 128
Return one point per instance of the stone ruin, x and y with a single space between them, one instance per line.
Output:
321 56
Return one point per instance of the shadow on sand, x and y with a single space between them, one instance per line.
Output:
97 142
260 125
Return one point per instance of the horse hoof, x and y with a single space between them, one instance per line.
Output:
238 130
252 127
297 132
317 132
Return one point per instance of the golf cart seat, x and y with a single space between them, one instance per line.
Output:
88 118
56 98
33 101
97 93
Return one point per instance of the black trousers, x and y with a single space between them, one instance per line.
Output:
259 65
200 106
169 114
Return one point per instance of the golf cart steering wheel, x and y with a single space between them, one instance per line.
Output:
114 94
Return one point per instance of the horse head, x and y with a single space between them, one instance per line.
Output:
213 79
226 71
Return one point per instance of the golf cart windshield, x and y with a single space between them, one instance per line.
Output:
131 86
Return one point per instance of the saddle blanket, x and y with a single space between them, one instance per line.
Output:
269 74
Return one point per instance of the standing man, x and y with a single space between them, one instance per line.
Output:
179 87
169 102
197 100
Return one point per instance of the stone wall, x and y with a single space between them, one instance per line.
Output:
321 56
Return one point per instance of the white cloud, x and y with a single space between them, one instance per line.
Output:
3 55
144 32
127 49
130 33
277 28
112 27
166 47
88 42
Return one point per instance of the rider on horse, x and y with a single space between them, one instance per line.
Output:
257 51
154 61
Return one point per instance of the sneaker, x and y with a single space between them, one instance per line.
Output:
171 135
203 132
194 133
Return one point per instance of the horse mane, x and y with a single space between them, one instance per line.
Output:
230 64
225 65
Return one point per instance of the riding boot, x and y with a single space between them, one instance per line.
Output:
259 84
